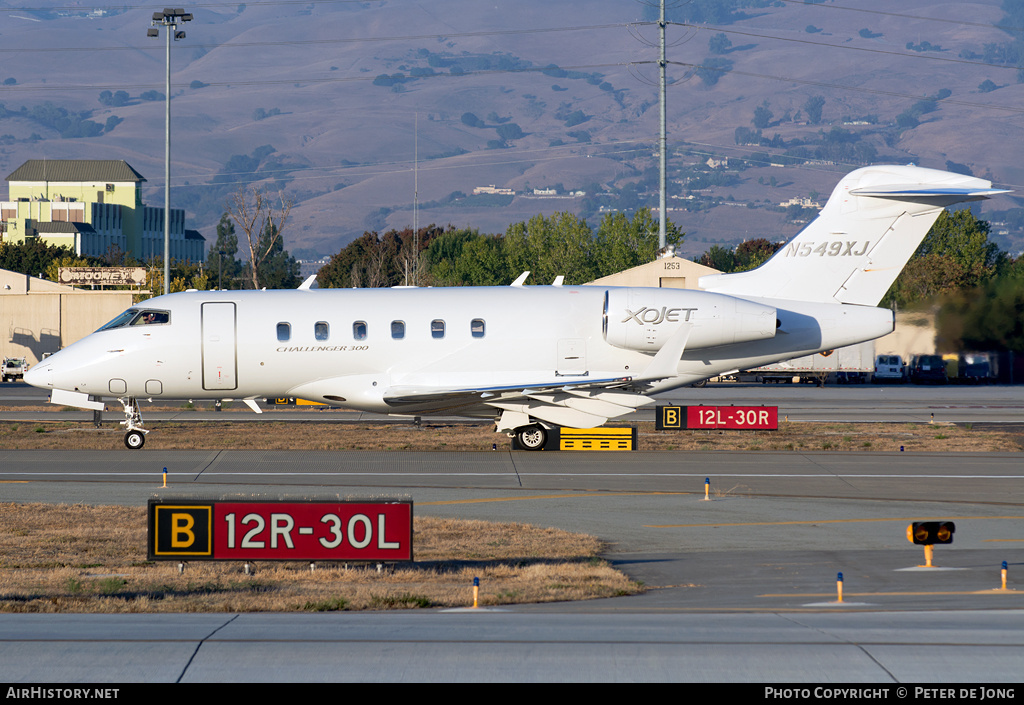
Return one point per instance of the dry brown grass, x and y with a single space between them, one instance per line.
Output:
310 435
810 437
93 559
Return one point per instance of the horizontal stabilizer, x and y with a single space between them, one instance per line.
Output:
912 192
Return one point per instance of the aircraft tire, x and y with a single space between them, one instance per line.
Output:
133 440
531 437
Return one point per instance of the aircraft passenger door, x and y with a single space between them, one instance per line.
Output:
220 356
572 357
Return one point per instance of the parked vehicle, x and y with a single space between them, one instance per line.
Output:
850 365
926 369
889 368
14 368
976 368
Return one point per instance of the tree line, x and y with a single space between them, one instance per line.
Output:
548 246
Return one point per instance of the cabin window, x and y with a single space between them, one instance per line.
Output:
284 331
359 330
321 330
477 327
397 329
437 328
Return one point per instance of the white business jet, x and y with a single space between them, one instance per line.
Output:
530 357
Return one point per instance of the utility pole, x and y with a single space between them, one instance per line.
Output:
169 18
416 201
663 141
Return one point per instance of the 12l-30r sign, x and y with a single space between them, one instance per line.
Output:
281 531
738 418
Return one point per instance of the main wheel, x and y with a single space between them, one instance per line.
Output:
134 439
531 437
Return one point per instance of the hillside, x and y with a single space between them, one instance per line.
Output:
332 101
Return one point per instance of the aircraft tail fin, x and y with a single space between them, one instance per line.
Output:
853 251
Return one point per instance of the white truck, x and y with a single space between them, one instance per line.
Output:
853 364
14 368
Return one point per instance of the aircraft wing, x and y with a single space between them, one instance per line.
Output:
419 394
576 404
580 403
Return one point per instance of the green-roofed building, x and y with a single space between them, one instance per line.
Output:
100 201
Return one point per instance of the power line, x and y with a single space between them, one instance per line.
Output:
271 82
867 50
404 166
347 40
229 6
836 86
916 18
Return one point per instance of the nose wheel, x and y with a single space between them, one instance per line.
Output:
134 439
135 435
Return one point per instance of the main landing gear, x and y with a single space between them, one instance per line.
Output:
531 437
135 434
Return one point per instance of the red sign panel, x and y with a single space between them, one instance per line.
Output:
757 418
282 531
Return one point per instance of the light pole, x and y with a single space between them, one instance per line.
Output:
169 18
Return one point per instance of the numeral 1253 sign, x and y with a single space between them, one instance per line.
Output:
753 418
278 530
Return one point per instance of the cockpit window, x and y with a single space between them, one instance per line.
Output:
122 319
150 317
139 317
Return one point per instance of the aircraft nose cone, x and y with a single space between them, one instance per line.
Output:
40 375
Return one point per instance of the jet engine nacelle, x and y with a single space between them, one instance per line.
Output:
643 319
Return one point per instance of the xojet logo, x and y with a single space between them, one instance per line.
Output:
655 316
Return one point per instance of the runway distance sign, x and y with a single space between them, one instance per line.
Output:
733 418
280 530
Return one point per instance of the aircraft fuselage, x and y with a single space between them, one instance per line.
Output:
349 347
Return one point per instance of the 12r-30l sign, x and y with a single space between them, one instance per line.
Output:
282 531
738 418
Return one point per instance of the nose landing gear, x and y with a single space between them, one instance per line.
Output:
135 434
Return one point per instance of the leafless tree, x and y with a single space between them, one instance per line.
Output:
262 222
